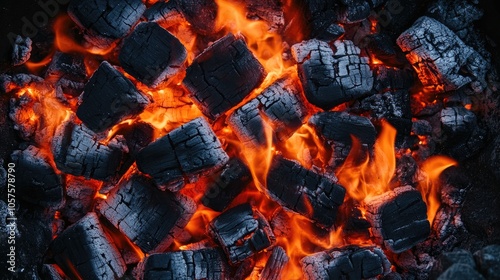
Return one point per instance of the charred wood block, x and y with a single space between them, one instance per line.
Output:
388 104
186 151
223 75
79 199
458 121
339 126
346 263
275 264
108 98
36 180
456 15
249 125
332 33
382 47
447 259
151 54
271 11
84 251
226 184
137 136
68 66
441 59
21 50
242 232
77 152
461 271
105 21
391 79
201 14
318 15
150 218
165 13
355 11
304 191
330 78
398 218
208 264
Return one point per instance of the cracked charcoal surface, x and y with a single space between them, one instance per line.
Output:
461 271
77 152
84 248
301 190
68 66
150 218
108 98
456 15
346 263
182 155
439 56
274 264
22 50
151 54
271 11
318 15
223 75
201 14
166 13
249 125
207 264
242 232
105 21
391 79
388 104
79 199
36 180
458 121
398 218
354 12
330 78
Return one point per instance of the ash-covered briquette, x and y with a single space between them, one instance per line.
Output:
458 16
151 54
330 78
182 155
105 21
50 271
80 196
223 75
274 264
77 152
21 50
242 231
209 264
350 262
398 218
36 180
442 61
108 98
304 191
85 251
150 218
279 108
458 121
226 184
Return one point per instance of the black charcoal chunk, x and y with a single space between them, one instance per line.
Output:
182 155
274 264
488 261
346 263
80 196
223 75
330 78
201 14
398 218
392 79
270 11
447 259
108 98
355 11
50 271
85 251
458 121
242 231
318 15
150 218
388 104
151 54
382 47
456 15
332 33
68 66
21 50
304 191
165 13
460 271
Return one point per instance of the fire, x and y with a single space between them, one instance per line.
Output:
306 147
430 186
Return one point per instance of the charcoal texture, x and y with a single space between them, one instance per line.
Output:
84 251
318 15
165 13
330 78
150 218
207 264
201 14
79 199
460 271
488 261
242 232
304 191
68 66
21 50
398 218
182 155
105 21
223 75
151 54
456 15
108 98
346 263
274 264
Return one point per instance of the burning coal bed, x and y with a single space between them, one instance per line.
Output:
247 140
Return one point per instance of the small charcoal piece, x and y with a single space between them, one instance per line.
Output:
318 15
85 251
330 78
381 46
151 54
105 21
355 11
209 264
226 184
456 15
21 50
108 98
346 263
68 66
398 218
223 75
36 180
304 191
271 11
274 265
391 79
150 218
166 13
458 121
442 61
279 107
332 33
201 14
461 271
182 155
242 232
79 199
488 261
447 259
77 152
388 104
